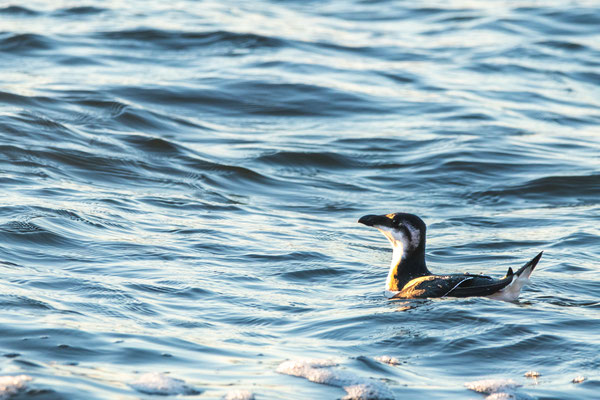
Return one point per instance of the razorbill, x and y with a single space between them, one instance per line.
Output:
409 277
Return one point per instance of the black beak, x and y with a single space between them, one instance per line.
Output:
372 220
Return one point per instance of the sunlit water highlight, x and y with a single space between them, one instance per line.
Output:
181 183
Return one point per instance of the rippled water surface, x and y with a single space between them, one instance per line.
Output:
180 184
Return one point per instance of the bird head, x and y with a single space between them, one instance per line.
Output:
406 232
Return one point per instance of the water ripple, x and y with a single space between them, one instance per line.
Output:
24 43
183 40
17 10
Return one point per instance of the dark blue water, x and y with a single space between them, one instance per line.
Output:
180 184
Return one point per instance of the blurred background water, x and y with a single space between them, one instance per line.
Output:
180 184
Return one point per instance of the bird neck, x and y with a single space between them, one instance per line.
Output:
405 267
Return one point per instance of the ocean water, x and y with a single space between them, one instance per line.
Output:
180 184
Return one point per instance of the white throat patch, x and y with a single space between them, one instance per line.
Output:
399 242
398 238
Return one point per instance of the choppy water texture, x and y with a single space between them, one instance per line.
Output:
180 184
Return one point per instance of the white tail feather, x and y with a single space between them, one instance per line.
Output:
521 277
512 291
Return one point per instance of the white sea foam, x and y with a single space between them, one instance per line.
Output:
501 396
161 384
387 360
239 395
322 371
489 386
11 385
496 389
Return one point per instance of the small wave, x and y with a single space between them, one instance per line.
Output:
26 233
154 289
546 26
239 98
179 40
576 240
12 98
509 68
77 352
560 119
582 19
141 120
79 11
551 189
77 60
376 52
228 176
312 275
467 116
42 122
327 160
302 99
401 77
21 227
100 166
18 10
24 43
374 363
11 302
284 258
586 76
153 144
563 45
118 114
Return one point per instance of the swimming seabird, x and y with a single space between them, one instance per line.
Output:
409 277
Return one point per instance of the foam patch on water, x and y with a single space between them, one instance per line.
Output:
489 386
161 384
496 389
321 371
501 396
239 395
11 385
387 360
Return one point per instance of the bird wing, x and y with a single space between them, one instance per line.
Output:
480 286
456 285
